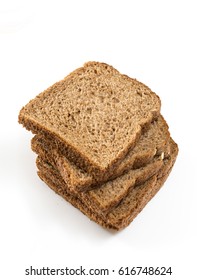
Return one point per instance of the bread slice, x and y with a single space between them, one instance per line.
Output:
151 144
89 114
129 208
122 215
108 195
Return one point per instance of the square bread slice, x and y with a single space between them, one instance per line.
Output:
129 208
109 194
95 115
151 144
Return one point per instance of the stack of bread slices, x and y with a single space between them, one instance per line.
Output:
101 142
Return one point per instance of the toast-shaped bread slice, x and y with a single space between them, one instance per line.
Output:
95 115
151 144
109 194
129 208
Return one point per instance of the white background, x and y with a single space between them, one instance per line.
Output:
40 43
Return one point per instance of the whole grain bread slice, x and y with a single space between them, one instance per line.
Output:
129 208
109 194
90 112
122 215
151 144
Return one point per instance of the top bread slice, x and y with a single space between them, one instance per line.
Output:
151 144
95 115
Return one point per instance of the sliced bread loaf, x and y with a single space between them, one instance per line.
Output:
90 112
129 208
150 145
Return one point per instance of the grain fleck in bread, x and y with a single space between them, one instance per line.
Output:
90 112
129 208
151 144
